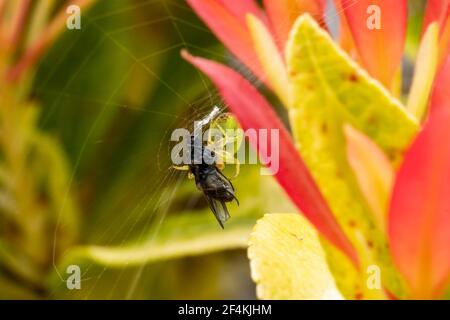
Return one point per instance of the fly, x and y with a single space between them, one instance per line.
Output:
216 187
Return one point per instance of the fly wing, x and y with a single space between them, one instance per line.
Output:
219 187
219 209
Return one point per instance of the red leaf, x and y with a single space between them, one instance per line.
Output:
441 94
380 49
241 8
419 220
439 11
254 112
445 40
228 24
345 37
283 13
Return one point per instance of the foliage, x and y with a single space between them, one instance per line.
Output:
87 153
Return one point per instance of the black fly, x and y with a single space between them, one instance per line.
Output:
216 187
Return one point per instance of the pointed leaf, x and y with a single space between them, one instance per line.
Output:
444 51
436 11
283 13
441 94
373 171
419 220
230 29
348 90
254 112
439 11
379 31
287 260
425 71
269 57
241 8
329 90
345 36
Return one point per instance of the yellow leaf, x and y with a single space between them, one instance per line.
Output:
373 171
270 57
425 71
287 260
328 90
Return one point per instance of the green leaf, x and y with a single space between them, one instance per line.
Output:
36 199
191 233
287 260
329 90
13 291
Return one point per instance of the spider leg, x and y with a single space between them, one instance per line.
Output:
227 157
180 168
220 165
220 144
238 168
184 168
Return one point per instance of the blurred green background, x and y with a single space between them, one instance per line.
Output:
111 94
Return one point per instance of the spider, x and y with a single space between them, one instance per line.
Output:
216 187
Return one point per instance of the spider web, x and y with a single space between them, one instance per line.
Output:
151 209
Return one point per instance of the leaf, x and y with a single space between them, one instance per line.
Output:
269 57
283 13
373 171
425 72
35 187
63 209
13 291
287 260
444 51
199 235
254 112
242 8
381 46
345 36
330 90
419 219
439 11
436 11
318 69
190 233
441 95
230 29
